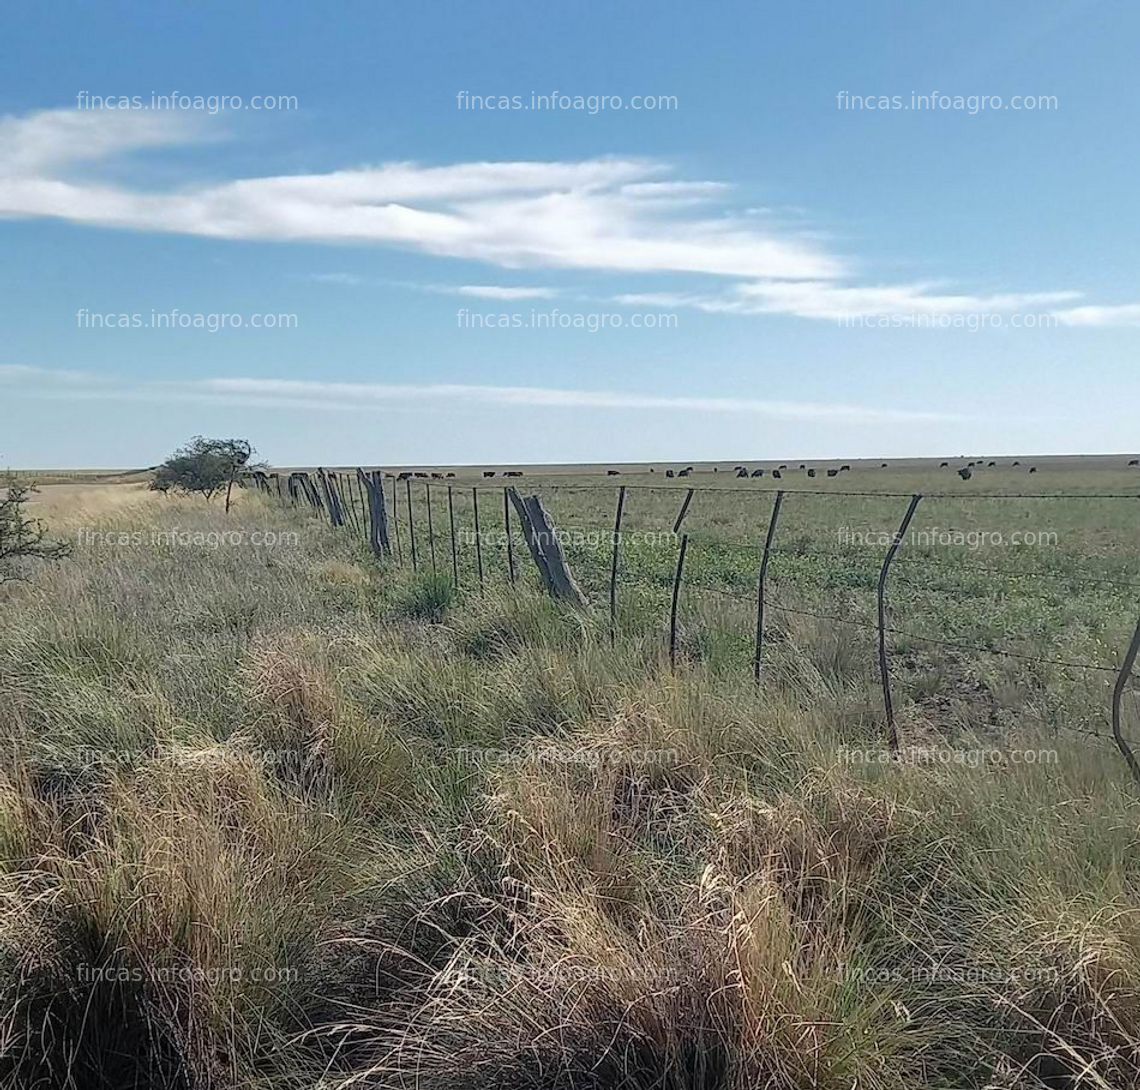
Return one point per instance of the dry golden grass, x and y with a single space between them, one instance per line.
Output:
274 817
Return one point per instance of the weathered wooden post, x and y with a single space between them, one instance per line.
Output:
546 549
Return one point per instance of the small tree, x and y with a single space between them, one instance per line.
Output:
205 466
23 538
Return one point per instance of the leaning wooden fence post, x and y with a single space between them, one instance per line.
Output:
673 606
335 516
382 536
760 584
507 533
1117 699
545 549
884 666
478 535
454 549
412 527
614 564
431 528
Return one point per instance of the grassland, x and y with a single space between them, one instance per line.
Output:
275 815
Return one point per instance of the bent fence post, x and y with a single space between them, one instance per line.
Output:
884 666
673 606
614 564
1117 699
760 584
683 512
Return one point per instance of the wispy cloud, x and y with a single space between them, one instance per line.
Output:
612 213
836 302
494 291
1127 314
616 214
357 396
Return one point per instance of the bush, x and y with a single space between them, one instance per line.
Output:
22 537
428 598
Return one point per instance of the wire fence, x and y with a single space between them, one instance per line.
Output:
764 601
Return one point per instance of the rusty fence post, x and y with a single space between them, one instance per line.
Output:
411 526
884 665
1117 700
478 535
614 564
760 584
673 606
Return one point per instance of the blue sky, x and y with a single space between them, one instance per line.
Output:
760 266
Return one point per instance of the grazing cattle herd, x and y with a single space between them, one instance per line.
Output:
965 471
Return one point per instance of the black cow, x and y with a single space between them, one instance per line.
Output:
685 473
613 472
833 472
1135 462
405 475
488 473
965 473
943 465
776 474
1032 469
844 469
758 473
811 472
451 474
668 473
513 473
742 472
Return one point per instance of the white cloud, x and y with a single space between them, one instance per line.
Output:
612 213
319 395
494 291
1127 314
836 302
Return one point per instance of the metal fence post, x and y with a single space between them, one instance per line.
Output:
431 528
396 521
614 564
478 535
683 512
884 666
507 531
760 586
1117 698
412 526
673 606
454 550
